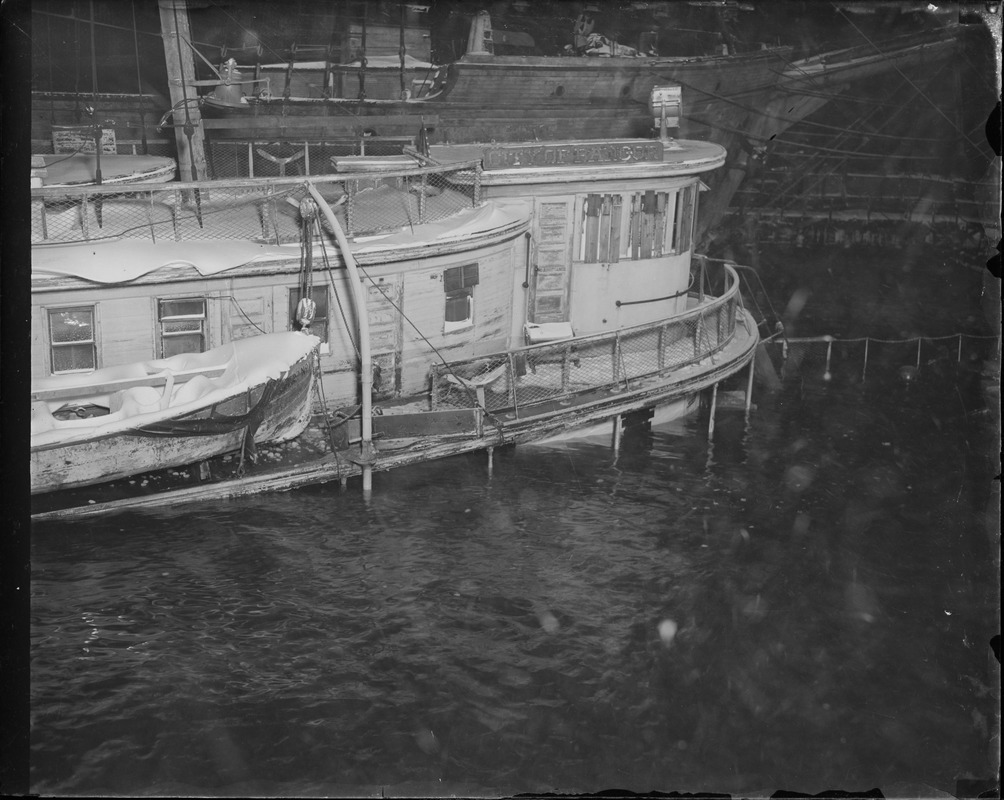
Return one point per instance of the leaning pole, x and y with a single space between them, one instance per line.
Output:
366 367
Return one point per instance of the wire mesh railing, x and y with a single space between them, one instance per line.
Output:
245 159
264 210
856 359
570 370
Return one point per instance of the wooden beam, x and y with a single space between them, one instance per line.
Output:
176 33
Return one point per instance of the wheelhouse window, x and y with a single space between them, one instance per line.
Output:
458 284
182 325
683 229
319 325
72 345
615 227
600 229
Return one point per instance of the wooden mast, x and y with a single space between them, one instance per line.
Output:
188 133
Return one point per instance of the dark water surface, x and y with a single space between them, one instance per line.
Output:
805 605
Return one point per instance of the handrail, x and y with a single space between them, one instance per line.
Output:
243 208
698 311
705 310
50 192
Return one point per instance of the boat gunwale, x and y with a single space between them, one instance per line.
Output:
612 335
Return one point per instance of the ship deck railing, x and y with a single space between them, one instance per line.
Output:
264 210
539 378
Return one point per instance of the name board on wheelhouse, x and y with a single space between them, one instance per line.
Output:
571 154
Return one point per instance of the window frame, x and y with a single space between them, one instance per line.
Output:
92 309
163 336
458 285
668 229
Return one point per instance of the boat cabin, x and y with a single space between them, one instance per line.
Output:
482 249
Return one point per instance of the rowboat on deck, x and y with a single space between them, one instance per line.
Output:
81 169
114 422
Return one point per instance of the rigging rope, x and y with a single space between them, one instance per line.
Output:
818 163
904 77
348 329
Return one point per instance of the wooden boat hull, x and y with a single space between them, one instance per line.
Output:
275 411
512 98
508 98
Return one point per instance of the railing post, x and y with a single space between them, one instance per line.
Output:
700 287
749 385
661 348
711 416
175 211
565 368
512 384
617 357
149 215
270 205
84 226
421 197
349 206
434 394
477 185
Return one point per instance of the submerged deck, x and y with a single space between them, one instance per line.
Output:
330 451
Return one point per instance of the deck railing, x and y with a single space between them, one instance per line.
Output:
520 380
264 210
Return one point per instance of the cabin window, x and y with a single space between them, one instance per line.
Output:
459 283
182 326
73 347
319 327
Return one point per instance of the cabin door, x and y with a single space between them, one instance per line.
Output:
551 261
386 331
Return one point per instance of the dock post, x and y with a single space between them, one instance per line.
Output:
491 454
711 415
617 434
749 385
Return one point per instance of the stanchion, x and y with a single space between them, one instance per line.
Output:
711 415
749 386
